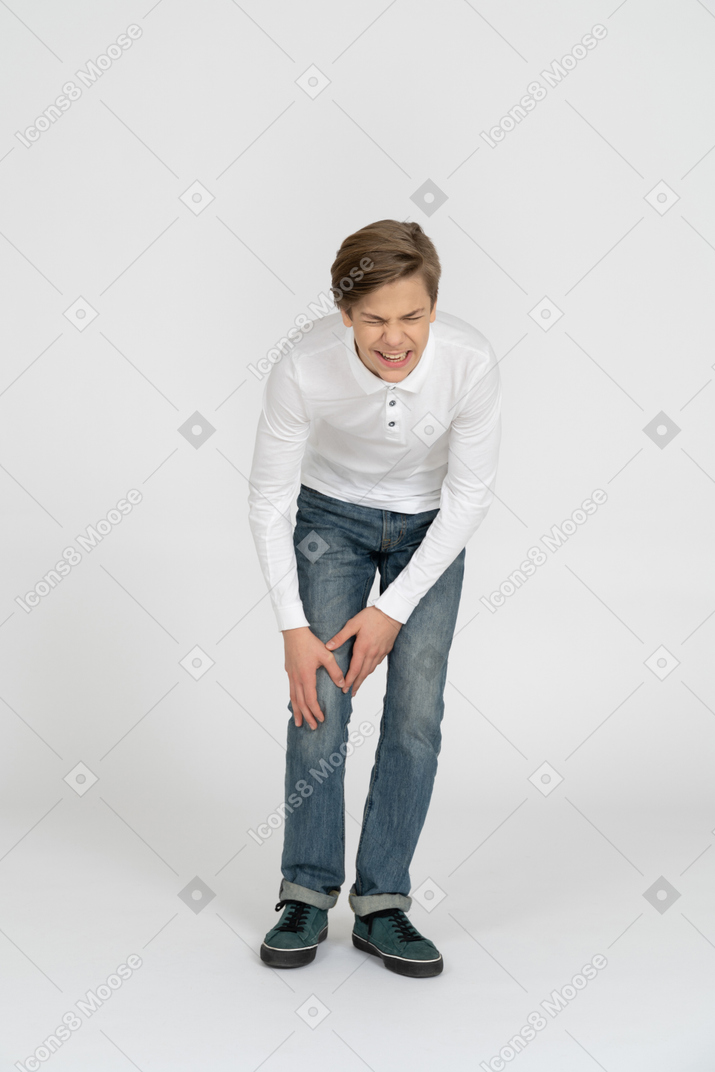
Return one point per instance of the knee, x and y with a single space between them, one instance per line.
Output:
419 722
327 737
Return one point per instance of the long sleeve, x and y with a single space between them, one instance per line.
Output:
274 482
467 493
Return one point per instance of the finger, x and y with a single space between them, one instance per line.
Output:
339 639
311 705
309 719
331 665
355 668
306 716
367 668
297 717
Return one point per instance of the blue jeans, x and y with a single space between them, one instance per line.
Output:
339 545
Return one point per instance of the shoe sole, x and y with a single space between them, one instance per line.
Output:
416 969
291 958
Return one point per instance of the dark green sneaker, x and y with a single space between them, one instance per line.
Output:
294 939
390 935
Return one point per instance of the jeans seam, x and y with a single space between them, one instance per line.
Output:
367 588
342 774
369 801
390 544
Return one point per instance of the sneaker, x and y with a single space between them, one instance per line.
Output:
294 939
390 935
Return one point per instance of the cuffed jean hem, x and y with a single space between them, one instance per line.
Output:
291 891
374 902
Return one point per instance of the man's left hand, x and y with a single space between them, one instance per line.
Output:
375 634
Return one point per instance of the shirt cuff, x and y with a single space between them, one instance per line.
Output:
292 617
395 605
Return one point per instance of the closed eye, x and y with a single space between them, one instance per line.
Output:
375 323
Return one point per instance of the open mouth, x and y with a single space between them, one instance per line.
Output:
394 360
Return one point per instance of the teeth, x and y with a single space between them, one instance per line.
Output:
394 357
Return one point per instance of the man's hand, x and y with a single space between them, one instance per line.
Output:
304 653
375 634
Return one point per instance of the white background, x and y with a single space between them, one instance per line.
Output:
530 885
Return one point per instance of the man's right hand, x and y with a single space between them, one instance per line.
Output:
304 653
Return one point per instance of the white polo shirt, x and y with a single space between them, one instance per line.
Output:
431 440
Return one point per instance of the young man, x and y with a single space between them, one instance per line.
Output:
388 426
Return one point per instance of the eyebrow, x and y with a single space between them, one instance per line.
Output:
374 316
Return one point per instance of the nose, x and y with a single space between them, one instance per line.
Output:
393 340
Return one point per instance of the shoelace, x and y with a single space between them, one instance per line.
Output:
398 919
296 916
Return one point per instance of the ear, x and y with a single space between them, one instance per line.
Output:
433 314
346 319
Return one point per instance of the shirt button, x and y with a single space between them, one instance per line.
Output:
392 402
391 424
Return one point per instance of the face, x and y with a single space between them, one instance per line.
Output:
392 320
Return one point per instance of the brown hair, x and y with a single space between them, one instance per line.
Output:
381 253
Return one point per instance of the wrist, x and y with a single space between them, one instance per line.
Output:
393 620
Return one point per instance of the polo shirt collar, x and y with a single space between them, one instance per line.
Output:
370 383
